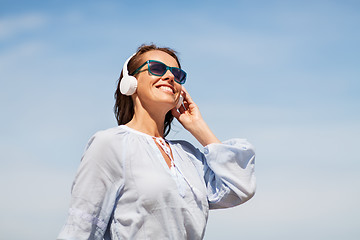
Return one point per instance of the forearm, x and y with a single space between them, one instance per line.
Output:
201 131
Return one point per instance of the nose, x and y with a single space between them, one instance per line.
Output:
169 76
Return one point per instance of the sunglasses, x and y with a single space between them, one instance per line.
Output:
157 68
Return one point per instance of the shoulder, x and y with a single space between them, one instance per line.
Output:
105 140
107 135
110 132
104 148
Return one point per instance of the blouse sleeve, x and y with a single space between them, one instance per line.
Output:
229 173
94 191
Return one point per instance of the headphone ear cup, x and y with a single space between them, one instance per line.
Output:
128 85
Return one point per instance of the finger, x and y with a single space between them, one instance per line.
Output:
175 113
182 108
185 105
187 96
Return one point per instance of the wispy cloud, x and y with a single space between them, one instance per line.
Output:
13 25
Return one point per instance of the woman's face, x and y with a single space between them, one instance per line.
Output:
158 90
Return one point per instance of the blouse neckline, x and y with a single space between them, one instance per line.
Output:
138 132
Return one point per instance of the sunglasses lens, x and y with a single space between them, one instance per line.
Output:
157 68
180 75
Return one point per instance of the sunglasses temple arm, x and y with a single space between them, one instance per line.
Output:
138 69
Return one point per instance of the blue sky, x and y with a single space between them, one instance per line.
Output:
283 74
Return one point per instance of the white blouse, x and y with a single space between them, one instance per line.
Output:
125 190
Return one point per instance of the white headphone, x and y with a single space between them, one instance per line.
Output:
128 84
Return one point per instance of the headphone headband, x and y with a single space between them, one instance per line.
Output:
125 70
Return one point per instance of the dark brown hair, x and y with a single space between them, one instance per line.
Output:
124 106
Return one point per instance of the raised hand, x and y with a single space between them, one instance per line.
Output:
190 117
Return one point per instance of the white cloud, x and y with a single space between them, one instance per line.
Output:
17 57
14 25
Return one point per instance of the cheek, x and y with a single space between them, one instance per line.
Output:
147 80
178 88
142 89
143 83
145 86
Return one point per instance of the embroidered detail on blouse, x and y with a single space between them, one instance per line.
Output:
167 151
100 223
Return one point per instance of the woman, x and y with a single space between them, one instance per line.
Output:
134 184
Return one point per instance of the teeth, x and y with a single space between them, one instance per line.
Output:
166 89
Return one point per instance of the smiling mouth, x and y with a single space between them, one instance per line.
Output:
166 89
